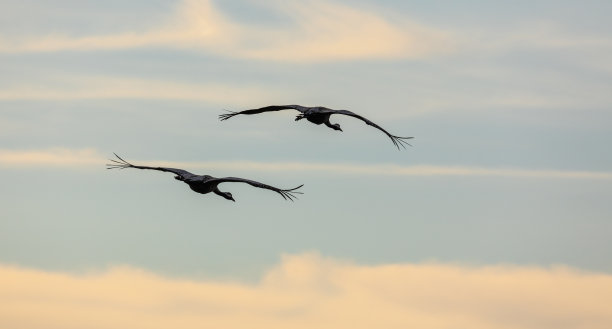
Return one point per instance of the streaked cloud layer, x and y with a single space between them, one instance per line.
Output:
100 87
317 30
91 157
308 291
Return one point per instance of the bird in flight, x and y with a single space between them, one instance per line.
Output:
203 183
318 115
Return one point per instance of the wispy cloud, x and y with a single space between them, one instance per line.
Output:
50 157
324 30
318 31
91 87
306 291
86 157
312 30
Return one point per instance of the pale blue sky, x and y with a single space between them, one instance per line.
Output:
516 92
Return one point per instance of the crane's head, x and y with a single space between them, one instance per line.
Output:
228 196
179 178
335 126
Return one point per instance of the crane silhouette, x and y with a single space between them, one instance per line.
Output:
318 115
204 183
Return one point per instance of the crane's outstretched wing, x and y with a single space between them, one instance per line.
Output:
270 108
122 164
287 194
397 141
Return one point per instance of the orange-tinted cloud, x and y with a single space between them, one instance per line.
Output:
49 157
308 291
318 31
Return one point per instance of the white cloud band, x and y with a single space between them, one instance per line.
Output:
86 88
91 157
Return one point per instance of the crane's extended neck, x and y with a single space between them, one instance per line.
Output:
226 195
333 126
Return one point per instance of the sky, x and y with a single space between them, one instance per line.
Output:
498 216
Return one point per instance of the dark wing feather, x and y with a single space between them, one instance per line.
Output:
287 194
122 164
397 141
270 108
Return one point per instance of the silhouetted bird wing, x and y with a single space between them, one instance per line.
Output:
270 108
122 164
287 194
397 141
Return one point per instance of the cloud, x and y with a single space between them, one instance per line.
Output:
317 31
88 157
314 30
75 88
50 157
308 291
324 30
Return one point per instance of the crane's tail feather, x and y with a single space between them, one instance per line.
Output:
118 164
289 194
400 141
227 115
